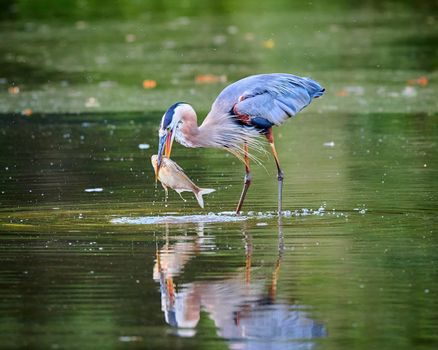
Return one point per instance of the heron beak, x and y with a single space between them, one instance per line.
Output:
169 143
164 147
161 149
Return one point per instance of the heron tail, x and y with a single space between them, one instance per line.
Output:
200 193
313 88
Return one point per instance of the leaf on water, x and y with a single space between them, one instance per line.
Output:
27 112
422 81
149 84
210 79
14 90
268 44
342 93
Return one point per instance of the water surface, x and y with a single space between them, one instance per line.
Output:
93 257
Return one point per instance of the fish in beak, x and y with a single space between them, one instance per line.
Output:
173 176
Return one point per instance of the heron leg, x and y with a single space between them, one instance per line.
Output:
280 174
247 181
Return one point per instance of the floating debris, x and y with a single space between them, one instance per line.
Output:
361 210
27 112
97 189
268 44
144 146
329 144
409 91
130 38
92 102
130 338
262 224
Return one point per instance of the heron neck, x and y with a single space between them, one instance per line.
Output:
189 134
215 131
194 136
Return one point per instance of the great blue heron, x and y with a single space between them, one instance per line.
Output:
241 113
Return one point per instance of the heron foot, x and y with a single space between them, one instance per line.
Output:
280 191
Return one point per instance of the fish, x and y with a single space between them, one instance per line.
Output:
173 176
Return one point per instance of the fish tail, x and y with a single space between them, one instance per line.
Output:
200 193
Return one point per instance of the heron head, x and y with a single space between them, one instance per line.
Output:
169 124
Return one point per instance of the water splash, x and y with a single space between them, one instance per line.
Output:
183 219
223 217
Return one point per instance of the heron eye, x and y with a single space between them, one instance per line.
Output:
171 125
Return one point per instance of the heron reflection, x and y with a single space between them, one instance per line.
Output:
245 310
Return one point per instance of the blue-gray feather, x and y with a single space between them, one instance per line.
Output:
272 97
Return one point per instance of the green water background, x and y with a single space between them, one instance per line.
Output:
366 269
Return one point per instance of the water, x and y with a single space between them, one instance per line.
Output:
93 257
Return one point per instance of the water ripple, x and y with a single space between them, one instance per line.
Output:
183 219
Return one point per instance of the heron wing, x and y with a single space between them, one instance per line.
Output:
276 97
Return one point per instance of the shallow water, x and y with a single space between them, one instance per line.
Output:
353 260
93 257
